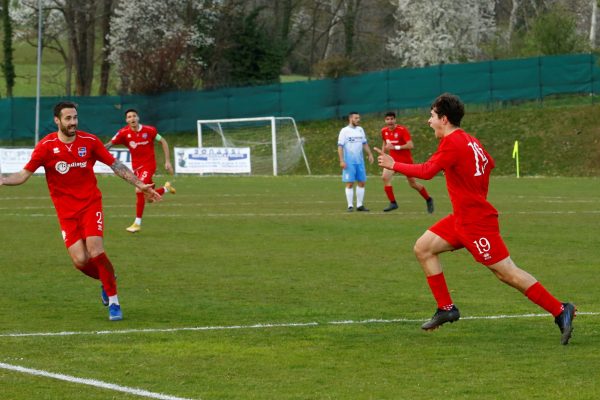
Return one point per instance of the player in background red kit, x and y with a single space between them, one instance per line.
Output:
139 139
68 157
473 223
397 140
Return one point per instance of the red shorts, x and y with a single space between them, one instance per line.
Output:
89 222
145 175
482 241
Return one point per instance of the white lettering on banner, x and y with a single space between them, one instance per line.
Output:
212 160
14 159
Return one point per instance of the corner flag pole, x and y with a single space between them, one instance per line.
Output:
515 155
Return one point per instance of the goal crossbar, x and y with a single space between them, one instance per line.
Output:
272 120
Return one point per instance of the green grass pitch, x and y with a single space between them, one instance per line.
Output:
266 270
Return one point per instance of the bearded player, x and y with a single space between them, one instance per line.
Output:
139 139
68 157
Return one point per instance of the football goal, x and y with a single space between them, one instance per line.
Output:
276 146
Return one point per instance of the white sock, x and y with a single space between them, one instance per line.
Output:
166 189
138 221
349 196
360 196
113 300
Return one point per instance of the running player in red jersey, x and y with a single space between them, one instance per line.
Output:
397 140
473 223
139 139
68 157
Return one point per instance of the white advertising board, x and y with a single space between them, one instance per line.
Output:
212 160
14 159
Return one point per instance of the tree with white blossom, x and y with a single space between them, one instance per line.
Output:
153 44
440 31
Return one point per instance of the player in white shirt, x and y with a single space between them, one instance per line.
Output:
352 141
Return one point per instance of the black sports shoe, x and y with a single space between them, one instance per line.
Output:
393 205
565 322
441 317
350 209
430 205
362 208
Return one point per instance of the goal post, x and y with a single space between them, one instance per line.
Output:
275 143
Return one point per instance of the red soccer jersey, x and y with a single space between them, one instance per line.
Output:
467 167
70 170
398 136
140 144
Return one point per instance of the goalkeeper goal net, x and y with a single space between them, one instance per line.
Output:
276 146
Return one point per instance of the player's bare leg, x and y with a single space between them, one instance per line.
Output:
427 250
387 176
412 182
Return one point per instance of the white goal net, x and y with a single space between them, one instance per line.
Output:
275 143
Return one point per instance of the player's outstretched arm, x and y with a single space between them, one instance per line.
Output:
165 147
108 145
121 170
15 179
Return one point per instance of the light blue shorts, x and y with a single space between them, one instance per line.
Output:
354 173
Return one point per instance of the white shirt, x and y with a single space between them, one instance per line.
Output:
352 139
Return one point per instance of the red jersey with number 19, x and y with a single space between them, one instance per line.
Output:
467 167
70 170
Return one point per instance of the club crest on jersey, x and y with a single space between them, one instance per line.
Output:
56 150
144 135
82 151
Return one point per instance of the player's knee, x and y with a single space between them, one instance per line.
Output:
79 260
421 249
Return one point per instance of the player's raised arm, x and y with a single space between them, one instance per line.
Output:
16 178
121 170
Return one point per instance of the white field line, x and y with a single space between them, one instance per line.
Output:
267 325
288 214
90 382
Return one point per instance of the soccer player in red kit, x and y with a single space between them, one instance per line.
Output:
473 223
139 139
68 157
397 140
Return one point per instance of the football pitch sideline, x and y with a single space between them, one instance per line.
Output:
266 288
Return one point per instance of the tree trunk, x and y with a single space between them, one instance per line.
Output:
593 24
8 67
81 33
105 67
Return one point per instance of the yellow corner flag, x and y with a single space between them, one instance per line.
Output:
516 155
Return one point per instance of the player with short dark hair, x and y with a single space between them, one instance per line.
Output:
397 140
139 139
68 157
352 142
473 223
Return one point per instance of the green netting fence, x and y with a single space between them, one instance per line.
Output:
480 83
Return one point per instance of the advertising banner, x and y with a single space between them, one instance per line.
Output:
14 159
212 160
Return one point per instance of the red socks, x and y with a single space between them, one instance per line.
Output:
540 296
437 284
90 270
389 191
139 205
106 272
424 194
160 190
